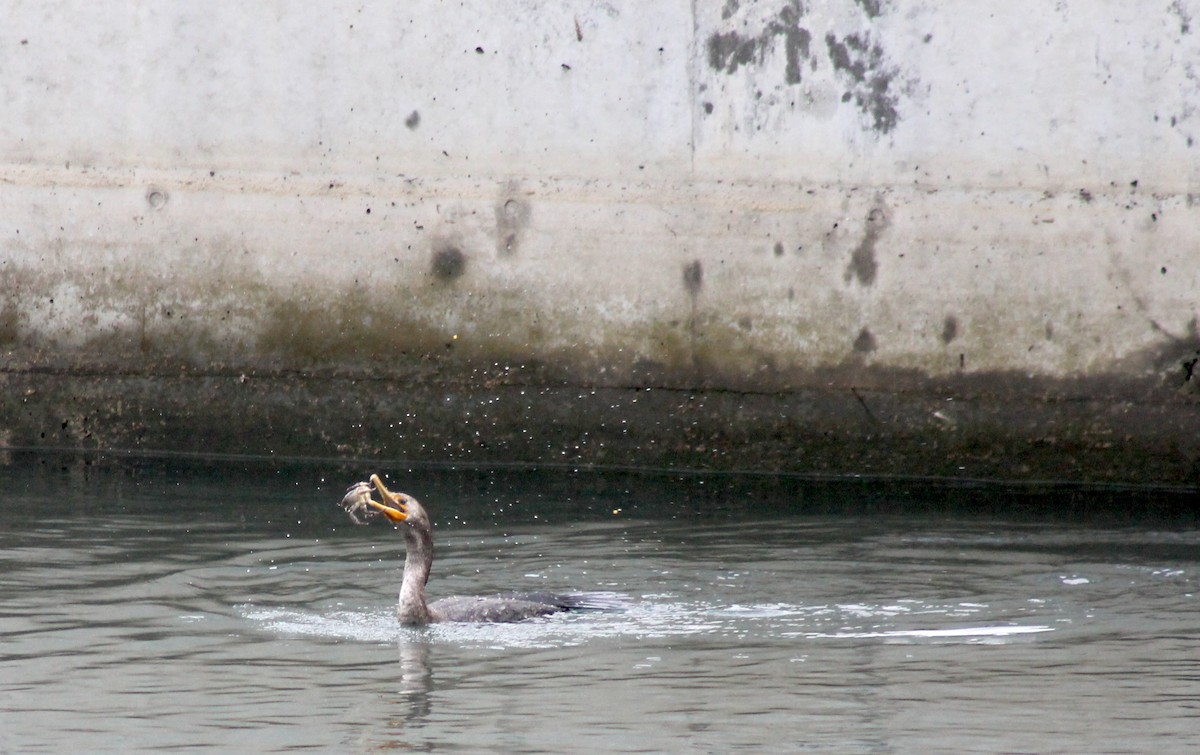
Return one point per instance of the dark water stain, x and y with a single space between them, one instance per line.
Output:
949 329
727 51
854 57
1185 18
413 120
863 64
796 41
873 8
865 343
693 278
448 262
863 265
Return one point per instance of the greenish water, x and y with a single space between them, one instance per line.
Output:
159 605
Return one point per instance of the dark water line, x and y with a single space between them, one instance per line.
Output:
1048 485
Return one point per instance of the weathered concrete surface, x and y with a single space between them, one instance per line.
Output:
840 237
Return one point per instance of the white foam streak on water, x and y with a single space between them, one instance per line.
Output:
970 633
657 619
357 626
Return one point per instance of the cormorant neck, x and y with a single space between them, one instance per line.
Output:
418 547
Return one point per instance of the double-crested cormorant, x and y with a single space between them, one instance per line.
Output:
407 514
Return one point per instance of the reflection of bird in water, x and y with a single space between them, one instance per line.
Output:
406 513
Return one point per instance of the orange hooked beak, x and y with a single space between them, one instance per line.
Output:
392 507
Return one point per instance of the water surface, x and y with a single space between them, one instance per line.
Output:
165 606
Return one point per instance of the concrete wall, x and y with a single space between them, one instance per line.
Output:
846 214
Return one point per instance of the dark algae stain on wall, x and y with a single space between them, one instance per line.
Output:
858 59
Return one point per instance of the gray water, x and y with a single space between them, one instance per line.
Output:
154 607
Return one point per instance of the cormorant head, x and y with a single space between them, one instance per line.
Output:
399 507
